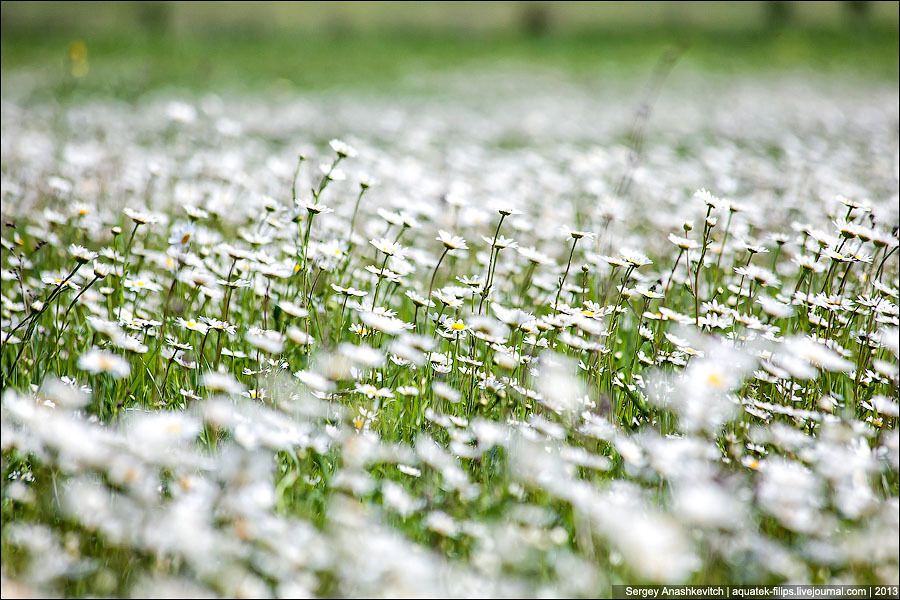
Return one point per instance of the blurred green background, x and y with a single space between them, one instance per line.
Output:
126 49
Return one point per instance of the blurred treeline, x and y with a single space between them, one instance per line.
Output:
523 17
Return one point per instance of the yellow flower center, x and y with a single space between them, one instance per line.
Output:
458 326
715 380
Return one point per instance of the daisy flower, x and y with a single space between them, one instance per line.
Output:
100 361
451 242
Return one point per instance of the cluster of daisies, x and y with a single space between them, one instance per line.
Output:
441 364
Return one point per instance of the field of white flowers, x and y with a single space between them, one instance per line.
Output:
520 338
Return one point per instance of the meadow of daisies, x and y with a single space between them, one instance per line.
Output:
521 338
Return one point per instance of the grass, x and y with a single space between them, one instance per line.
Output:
130 65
